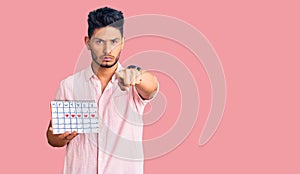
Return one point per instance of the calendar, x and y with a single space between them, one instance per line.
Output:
80 116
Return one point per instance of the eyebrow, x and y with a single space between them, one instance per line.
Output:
109 39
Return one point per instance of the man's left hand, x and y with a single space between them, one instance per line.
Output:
128 77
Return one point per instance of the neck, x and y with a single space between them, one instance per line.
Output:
104 73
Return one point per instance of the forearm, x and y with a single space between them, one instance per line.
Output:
148 86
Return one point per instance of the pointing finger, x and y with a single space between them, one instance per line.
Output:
122 87
132 77
127 77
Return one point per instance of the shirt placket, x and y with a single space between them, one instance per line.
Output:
101 100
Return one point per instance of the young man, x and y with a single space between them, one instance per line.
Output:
121 95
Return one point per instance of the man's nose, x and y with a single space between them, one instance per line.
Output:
108 48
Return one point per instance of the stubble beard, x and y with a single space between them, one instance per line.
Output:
106 65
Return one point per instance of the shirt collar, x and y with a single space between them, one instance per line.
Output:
90 74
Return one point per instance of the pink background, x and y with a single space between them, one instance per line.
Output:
258 45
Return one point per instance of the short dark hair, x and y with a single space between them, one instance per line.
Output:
103 17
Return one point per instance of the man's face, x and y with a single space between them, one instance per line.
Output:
106 45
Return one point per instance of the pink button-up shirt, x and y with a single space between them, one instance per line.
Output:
117 148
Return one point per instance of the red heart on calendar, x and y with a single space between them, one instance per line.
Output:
93 115
73 115
85 115
67 115
79 115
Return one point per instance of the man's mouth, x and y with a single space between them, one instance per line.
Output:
107 58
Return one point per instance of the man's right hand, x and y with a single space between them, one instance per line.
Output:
59 140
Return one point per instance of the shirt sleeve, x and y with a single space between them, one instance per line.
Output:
60 94
139 101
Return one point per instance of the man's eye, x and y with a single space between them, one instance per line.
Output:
99 42
114 41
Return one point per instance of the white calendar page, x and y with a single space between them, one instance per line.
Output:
80 116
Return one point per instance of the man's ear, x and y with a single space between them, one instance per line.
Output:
86 41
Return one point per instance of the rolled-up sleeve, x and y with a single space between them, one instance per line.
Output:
139 101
